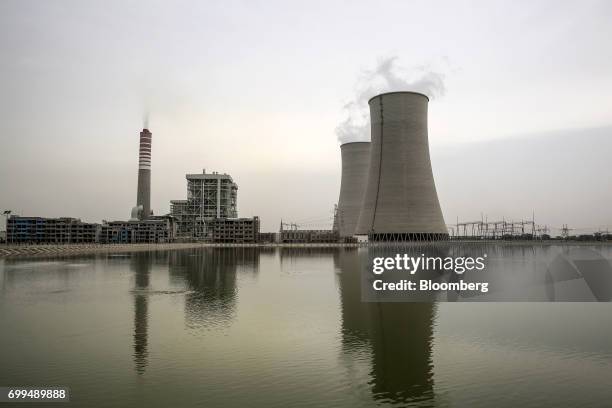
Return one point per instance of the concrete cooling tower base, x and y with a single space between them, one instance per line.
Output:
402 237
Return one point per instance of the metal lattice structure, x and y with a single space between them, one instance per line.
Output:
493 230
209 196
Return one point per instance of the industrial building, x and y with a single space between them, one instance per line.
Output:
268 237
154 230
355 164
187 226
142 210
234 230
400 200
209 196
39 230
209 214
296 236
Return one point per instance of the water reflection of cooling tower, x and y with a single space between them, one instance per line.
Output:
400 201
399 336
210 275
355 163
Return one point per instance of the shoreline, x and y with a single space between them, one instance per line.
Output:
13 251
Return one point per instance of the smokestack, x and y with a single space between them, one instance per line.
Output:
355 164
143 196
400 202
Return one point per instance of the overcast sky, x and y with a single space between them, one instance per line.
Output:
257 89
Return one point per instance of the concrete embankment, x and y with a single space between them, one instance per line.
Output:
83 249
64 250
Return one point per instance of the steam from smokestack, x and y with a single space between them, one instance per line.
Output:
145 120
387 76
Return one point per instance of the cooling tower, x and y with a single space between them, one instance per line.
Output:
143 196
355 163
400 201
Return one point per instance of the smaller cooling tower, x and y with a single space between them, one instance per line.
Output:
400 201
355 163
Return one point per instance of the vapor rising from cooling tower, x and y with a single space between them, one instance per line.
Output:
400 201
388 76
355 164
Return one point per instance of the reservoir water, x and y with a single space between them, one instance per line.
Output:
284 327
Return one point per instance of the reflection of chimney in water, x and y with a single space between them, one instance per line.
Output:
399 336
141 265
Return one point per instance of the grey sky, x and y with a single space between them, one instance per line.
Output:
256 89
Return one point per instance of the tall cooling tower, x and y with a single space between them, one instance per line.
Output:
400 202
143 196
355 163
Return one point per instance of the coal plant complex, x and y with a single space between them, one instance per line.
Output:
387 194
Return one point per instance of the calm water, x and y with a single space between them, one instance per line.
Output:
284 327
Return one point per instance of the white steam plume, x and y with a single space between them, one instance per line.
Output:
387 76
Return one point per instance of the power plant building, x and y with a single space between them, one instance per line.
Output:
308 236
400 201
154 230
234 230
209 196
355 164
39 230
